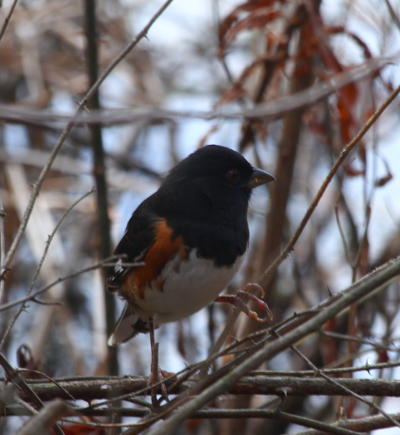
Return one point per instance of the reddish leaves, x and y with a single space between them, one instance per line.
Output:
352 105
386 178
251 22
259 14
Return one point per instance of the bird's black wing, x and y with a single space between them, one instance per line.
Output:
138 238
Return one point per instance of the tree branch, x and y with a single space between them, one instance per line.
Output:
100 176
343 155
268 112
113 386
38 184
361 289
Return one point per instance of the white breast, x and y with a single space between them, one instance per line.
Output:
189 285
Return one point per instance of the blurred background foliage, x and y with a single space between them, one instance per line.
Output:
200 57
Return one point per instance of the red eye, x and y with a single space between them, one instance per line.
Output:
232 176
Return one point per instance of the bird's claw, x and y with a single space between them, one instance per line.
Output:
243 296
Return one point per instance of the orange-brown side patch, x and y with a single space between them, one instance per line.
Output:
164 248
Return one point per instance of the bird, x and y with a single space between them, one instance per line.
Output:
185 242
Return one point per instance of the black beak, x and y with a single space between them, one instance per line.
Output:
259 177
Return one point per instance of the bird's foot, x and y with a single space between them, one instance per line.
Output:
157 379
242 297
157 383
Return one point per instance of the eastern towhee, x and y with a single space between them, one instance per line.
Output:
187 240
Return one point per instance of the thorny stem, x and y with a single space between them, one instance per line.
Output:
343 155
361 289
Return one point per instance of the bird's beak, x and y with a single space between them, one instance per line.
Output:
259 177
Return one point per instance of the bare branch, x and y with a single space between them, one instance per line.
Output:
7 19
344 153
108 262
362 424
268 112
100 177
37 185
2 247
39 267
88 389
350 391
361 289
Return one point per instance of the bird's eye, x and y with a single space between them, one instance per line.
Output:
232 176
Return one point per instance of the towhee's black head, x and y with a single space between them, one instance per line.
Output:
214 165
189 237
205 199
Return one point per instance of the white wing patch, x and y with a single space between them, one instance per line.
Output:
118 268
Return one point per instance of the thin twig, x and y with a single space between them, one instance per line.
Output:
14 377
108 262
38 184
362 424
332 371
393 14
7 19
52 234
359 340
342 236
243 413
20 383
344 388
199 398
275 264
203 414
274 109
2 248
39 266
49 378
344 153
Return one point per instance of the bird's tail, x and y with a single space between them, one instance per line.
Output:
128 325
